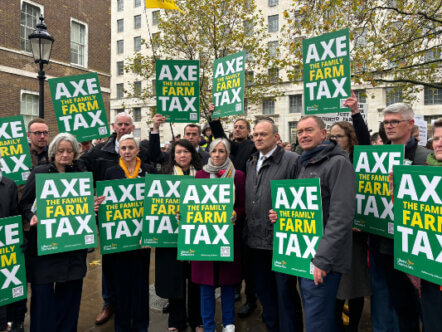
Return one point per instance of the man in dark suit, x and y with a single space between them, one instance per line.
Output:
192 133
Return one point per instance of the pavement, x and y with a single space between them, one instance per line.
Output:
91 304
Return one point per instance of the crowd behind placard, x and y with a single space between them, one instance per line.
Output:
347 264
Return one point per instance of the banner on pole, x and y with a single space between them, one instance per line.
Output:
326 72
65 212
120 216
418 222
177 87
374 207
13 286
79 106
228 85
15 158
298 230
205 228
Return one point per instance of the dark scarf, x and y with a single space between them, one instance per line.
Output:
306 156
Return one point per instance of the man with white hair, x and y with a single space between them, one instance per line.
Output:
398 123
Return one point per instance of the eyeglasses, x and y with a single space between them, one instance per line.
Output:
39 133
393 123
334 137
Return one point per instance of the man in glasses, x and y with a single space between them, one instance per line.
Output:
398 123
38 137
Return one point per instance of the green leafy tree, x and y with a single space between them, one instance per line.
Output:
208 30
395 42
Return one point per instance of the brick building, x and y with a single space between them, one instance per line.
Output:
81 30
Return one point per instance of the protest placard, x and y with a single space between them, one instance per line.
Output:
177 90
79 106
374 206
330 119
65 212
160 226
15 159
228 85
120 216
12 261
298 230
326 72
418 221
205 228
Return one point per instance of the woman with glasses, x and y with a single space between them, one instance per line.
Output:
57 279
170 274
355 284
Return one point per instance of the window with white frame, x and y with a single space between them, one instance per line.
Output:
268 106
432 96
137 132
361 95
29 15
295 104
273 48
154 87
136 114
273 75
137 44
120 25
120 68
78 43
120 90
137 88
393 95
137 21
273 3
29 106
120 46
137 3
155 17
292 131
273 23
120 5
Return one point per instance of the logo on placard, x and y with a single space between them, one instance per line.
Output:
17 292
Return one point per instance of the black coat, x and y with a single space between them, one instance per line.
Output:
239 152
51 268
9 199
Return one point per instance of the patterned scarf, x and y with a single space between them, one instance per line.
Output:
177 170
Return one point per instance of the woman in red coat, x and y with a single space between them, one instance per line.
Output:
226 275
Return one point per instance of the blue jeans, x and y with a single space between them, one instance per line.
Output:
319 303
208 306
383 315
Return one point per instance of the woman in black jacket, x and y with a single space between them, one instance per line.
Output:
130 269
56 279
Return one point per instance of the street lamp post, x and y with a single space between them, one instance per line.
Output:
41 44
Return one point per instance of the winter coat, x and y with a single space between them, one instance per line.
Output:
338 191
223 273
282 164
58 267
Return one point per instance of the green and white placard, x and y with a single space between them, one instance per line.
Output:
326 72
120 216
374 206
177 87
13 285
79 106
65 212
15 159
299 229
228 85
205 228
162 202
418 221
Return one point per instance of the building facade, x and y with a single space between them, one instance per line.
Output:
286 109
81 30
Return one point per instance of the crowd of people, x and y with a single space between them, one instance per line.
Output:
348 266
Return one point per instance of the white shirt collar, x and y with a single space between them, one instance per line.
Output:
268 154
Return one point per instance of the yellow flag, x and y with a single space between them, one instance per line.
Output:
166 4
